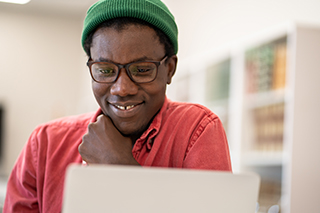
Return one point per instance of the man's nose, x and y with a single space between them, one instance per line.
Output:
124 85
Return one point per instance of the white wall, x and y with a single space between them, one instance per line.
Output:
42 72
207 24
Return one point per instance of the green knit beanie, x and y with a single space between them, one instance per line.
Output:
154 12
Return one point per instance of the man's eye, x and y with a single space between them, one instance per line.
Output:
106 71
143 69
140 71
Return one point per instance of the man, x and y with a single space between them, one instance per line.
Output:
131 47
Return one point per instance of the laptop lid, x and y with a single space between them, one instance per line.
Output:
97 188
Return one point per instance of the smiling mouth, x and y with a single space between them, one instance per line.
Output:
124 107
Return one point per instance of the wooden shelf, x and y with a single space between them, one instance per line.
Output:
267 98
263 158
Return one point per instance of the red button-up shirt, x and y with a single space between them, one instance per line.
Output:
181 135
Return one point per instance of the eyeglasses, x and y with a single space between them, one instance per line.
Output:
138 72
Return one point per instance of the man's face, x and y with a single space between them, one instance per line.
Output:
130 106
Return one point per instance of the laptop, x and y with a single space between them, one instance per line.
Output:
124 189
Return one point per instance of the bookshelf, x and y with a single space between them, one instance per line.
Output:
265 89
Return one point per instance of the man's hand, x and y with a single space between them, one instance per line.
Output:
104 144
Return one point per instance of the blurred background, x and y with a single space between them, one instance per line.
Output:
43 75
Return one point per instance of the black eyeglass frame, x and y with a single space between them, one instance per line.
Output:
126 66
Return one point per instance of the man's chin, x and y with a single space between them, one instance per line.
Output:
131 132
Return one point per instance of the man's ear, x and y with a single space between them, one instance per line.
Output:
172 65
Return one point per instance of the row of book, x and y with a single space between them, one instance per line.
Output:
268 127
266 67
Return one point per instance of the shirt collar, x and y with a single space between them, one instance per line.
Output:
94 118
155 125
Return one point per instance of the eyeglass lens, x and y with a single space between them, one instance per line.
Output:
140 72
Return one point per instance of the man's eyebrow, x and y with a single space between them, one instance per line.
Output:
144 58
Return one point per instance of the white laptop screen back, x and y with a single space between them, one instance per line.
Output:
123 189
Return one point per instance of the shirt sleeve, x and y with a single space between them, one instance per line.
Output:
208 147
22 185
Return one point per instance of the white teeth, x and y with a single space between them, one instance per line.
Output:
124 107
120 107
129 107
